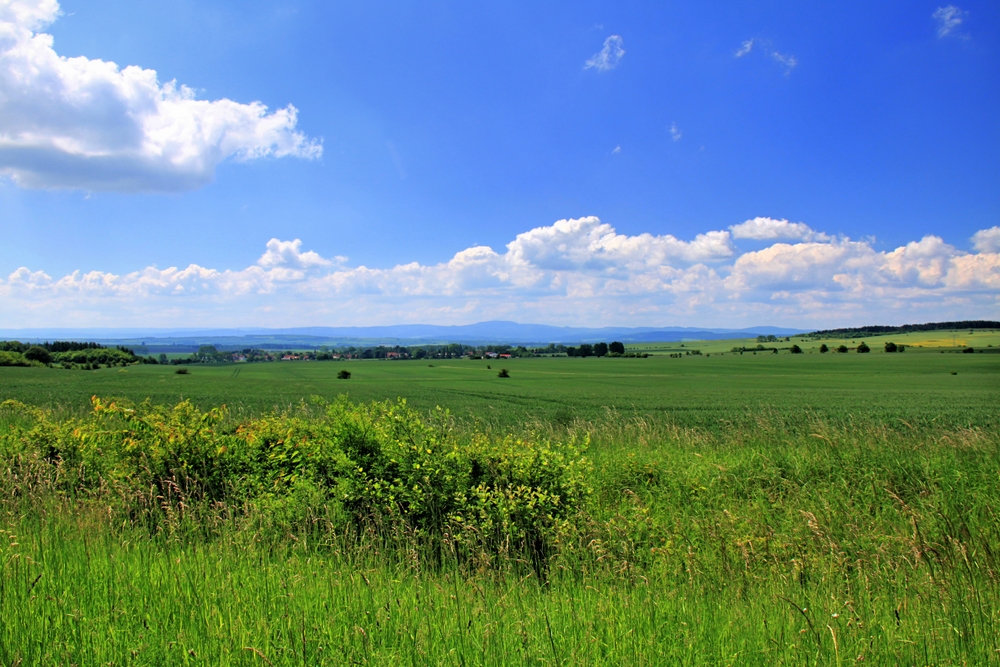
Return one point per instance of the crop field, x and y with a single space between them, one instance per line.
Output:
709 392
713 509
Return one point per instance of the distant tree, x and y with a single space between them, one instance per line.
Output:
795 349
504 373
163 358
572 352
823 348
891 347
600 349
967 350
842 349
368 354
616 347
344 375
863 348
586 350
39 354
182 371
420 354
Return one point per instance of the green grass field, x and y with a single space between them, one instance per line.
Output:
707 392
739 510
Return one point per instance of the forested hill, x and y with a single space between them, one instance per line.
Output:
876 330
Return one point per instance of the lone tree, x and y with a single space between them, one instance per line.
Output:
842 349
823 348
796 349
890 347
344 375
863 348
616 348
39 354
503 373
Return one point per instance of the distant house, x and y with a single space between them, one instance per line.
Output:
392 355
492 355
505 356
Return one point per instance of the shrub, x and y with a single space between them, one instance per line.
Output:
823 348
891 347
967 350
182 371
39 354
863 349
344 375
13 359
504 373
381 466
795 349
842 349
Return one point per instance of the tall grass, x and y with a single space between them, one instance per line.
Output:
772 543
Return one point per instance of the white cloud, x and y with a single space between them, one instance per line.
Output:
288 254
788 62
82 123
617 150
948 18
574 271
987 240
745 48
769 229
675 133
608 57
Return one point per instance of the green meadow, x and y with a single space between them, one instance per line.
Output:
709 392
713 509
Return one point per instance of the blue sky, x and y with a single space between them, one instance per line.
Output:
594 163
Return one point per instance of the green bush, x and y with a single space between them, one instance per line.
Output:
13 359
39 354
387 467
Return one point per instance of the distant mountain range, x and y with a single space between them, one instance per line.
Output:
496 332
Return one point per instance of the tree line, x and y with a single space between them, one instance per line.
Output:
68 354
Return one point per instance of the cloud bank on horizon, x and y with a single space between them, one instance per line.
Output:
573 272
88 124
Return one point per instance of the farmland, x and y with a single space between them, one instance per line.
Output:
689 391
708 509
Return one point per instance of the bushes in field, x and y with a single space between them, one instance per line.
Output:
380 466
14 359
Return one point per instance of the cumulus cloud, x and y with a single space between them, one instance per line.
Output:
574 271
987 240
289 254
745 48
608 57
89 124
769 229
948 19
675 132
